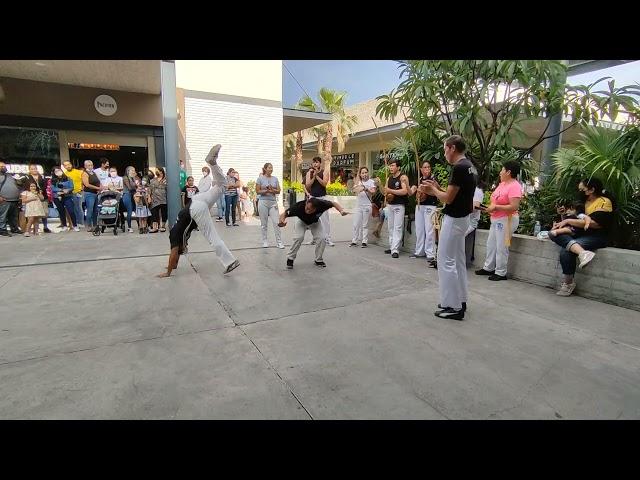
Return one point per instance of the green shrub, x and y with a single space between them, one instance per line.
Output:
337 189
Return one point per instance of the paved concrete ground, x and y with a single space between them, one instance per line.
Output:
88 332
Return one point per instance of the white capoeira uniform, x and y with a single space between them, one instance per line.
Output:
199 211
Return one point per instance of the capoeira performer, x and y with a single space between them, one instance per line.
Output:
425 207
452 268
308 213
197 216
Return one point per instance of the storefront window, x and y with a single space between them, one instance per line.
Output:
21 146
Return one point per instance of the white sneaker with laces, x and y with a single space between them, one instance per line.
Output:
330 243
566 289
585 257
76 229
280 245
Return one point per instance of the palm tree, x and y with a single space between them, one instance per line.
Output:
332 102
307 103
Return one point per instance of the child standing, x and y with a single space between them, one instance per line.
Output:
188 192
142 198
33 210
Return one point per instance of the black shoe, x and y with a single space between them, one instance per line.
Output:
320 263
433 264
46 230
236 225
352 244
364 245
431 259
387 251
289 263
394 255
4 233
16 230
232 267
482 271
464 307
450 314
497 278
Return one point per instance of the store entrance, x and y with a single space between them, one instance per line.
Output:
120 158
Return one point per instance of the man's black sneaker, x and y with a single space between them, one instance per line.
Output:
431 259
46 230
320 264
4 233
433 264
497 278
395 255
364 245
233 266
387 251
16 230
289 263
482 271
352 244
464 307
450 314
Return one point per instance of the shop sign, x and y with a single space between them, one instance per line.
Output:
344 160
105 105
93 146
22 168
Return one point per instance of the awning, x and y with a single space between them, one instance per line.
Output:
296 120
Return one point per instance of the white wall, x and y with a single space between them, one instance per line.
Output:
250 135
245 78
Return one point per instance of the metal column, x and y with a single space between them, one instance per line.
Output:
170 131
550 145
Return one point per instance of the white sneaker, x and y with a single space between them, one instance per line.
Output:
330 243
585 257
131 230
64 229
76 229
566 289
280 245
265 244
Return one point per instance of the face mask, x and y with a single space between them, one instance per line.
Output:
58 173
583 196
112 174
89 170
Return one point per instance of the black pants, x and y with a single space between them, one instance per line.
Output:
181 230
159 211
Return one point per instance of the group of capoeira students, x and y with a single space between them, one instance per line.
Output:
311 214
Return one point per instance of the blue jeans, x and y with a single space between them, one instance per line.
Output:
590 242
90 199
77 208
63 206
230 207
128 204
221 206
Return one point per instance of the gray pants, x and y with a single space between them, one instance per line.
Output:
9 214
452 267
325 222
299 230
268 210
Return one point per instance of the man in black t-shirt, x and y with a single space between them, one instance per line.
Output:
308 212
458 200
316 182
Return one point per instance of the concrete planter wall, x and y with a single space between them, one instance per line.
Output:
348 202
612 277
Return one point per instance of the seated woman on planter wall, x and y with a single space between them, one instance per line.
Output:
590 232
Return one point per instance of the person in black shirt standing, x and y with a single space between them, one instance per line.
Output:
316 183
452 270
397 195
425 206
308 213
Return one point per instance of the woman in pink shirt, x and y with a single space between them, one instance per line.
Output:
505 201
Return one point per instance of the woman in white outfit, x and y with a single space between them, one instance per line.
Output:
267 187
364 188
425 232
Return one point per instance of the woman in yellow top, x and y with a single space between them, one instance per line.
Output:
591 232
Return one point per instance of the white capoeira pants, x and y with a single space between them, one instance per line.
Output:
425 232
497 252
452 265
324 221
268 210
299 230
395 223
199 211
361 223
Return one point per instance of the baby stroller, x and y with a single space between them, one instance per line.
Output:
108 212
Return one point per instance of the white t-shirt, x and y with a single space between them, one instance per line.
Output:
478 196
103 175
363 199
